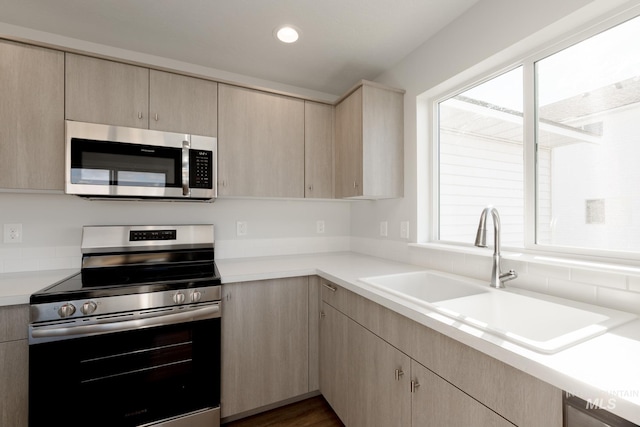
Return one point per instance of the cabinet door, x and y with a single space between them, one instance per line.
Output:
383 142
14 365
348 146
182 104
14 380
436 403
107 92
31 117
333 360
318 150
379 379
260 144
265 334
314 333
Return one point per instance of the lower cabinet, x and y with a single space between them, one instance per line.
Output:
437 403
378 381
333 356
14 366
14 371
265 351
370 382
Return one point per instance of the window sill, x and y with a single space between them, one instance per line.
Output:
542 258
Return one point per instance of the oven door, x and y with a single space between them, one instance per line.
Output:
163 375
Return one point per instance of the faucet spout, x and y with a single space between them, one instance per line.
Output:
497 276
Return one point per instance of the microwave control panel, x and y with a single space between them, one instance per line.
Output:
200 169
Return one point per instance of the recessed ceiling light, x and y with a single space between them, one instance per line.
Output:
286 34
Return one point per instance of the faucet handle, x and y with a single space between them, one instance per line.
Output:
509 275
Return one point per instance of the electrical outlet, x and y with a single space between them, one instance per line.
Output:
383 228
320 227
241 228
13 233
404 229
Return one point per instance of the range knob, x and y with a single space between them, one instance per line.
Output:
196 296
66 310
178 298
88 307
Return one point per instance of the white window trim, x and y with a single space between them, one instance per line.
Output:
432 98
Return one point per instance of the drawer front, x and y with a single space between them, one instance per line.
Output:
334 295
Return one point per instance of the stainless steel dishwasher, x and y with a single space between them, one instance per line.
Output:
580 413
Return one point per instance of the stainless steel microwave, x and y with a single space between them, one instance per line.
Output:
117 162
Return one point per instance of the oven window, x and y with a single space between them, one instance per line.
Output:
113 163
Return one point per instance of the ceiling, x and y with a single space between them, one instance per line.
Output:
342 41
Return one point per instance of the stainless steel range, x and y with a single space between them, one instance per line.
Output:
134 338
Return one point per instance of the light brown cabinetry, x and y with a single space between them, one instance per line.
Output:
369 143
314 333
379 377
14 366
333 360
31 117
318 150
260 144
107 92
437 403
363 378
182 104
113 93
265 352
444 382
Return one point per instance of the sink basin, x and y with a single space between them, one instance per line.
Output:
424 286
539 322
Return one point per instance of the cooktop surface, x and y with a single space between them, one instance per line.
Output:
101 282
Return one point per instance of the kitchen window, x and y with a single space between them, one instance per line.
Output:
553 143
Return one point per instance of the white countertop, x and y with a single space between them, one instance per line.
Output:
606 367
15 288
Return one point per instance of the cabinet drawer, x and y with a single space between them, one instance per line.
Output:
334 295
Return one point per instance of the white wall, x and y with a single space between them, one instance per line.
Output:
52 226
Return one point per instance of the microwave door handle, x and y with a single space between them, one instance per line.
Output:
186 145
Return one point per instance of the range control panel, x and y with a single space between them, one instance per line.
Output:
140 235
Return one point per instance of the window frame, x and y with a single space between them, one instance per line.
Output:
527 61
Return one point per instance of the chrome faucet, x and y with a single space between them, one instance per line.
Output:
497 276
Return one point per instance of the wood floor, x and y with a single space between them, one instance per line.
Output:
313 412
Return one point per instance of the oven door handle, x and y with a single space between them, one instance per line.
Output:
49 334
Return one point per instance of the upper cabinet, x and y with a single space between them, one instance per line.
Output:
318 150
101 91
31 117
183 104
260 144
369 143
269 145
